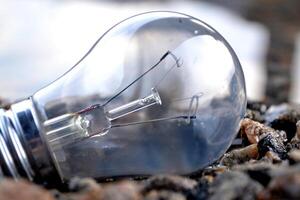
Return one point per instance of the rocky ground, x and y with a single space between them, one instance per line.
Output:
263 163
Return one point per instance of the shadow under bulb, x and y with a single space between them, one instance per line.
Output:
160 92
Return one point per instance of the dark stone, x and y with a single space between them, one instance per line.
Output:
184 186
81 184
283 117
164 195
257 106
284 185
234 185
12 190
259 171
125 190
293 145
271 143
239 156
254 115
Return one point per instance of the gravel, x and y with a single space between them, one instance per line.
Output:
265 165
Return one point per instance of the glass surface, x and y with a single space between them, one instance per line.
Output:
160 92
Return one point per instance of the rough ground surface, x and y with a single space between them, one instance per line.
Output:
263 164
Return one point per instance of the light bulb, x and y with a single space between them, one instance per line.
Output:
160 92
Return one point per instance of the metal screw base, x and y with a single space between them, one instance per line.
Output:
14 161
23 151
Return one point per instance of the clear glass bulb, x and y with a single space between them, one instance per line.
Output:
160 92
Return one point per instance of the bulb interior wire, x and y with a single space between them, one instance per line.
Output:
191 112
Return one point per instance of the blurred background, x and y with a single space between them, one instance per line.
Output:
42 39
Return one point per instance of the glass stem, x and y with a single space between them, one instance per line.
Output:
65 129
135 105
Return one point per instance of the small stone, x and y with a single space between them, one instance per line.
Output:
295 141
209 173
256 111
164 195
83 184
254 131
84 189
293 145
282 187
57 195
125 190
254 115
177 184
272 143
257 106
234 185
214 170
172 182
259 171
15 190
294 155
296 138
283 117
273 157
239 156
200 192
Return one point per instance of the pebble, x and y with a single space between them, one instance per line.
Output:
239 156
265 166
283 117
125 190
177 184
234 185
282 187
272 147
254 131
164 195
16 190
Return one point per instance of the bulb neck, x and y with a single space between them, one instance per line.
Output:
23 151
